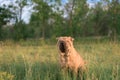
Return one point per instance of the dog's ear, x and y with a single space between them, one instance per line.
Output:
72 39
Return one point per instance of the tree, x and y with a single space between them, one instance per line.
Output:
5 16
80 11
97 17
41 16
18 7
114 11
21 30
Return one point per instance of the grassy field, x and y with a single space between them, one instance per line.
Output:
38 60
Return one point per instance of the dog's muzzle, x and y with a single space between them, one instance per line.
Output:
62 46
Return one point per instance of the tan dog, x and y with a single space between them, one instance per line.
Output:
69 57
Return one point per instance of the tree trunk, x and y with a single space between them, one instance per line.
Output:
71 18
43 32
43 29
114 34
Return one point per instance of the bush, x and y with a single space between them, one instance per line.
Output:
6 76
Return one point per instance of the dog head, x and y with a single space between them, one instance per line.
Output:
64 44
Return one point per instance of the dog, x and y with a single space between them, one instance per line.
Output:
69 58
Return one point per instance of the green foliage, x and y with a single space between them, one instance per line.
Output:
5 16
21 31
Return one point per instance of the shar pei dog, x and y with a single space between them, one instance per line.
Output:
69 58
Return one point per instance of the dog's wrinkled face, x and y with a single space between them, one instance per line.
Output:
64 43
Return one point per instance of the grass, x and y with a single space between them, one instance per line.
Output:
35 60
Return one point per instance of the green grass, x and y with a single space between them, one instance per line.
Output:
34 60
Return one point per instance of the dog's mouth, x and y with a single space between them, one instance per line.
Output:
62 46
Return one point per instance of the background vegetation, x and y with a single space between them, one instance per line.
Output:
52 18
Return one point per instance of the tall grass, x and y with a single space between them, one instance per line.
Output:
39 61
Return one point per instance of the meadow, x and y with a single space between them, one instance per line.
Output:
38 60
